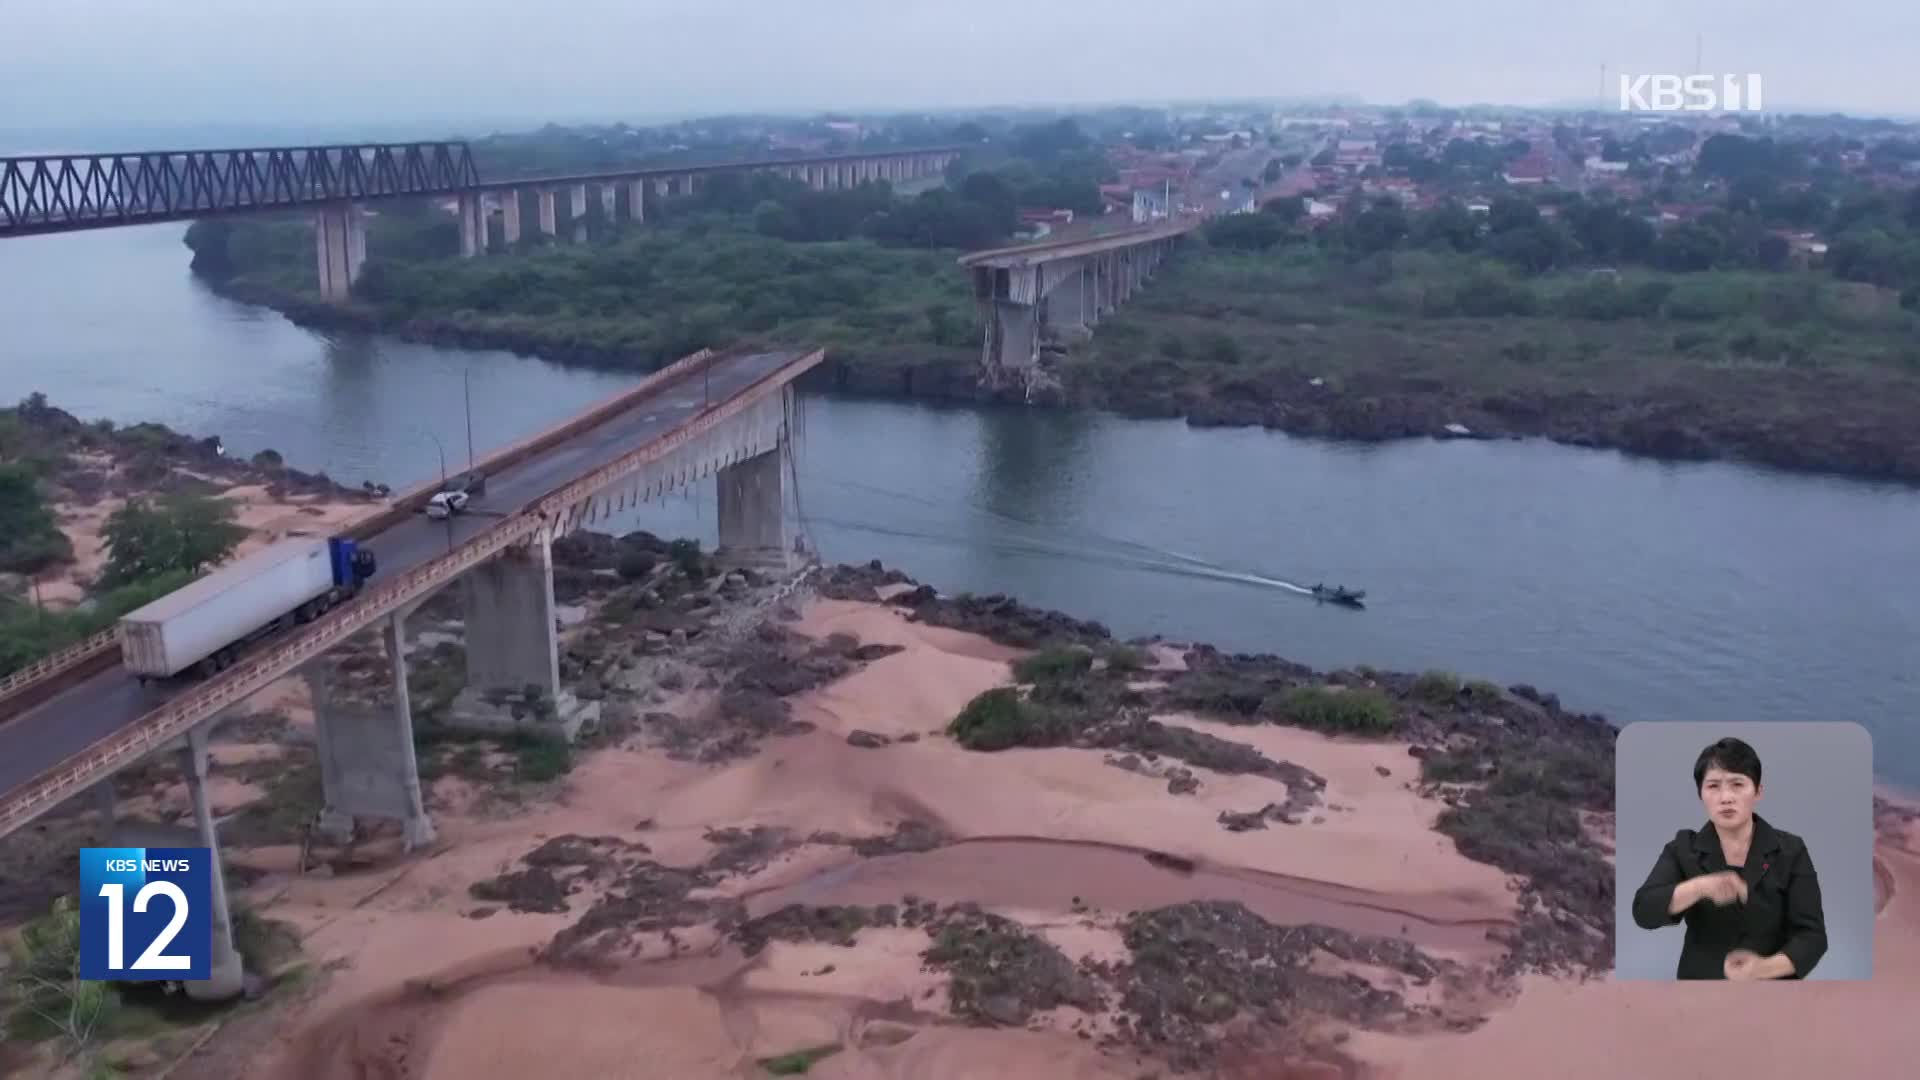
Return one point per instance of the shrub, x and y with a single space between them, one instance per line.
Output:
539 758
1000 718
1127 658
47 996
637 564
686 555
1437 687
1060 662
1356 712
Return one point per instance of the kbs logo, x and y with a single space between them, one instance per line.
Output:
149 906
1690 93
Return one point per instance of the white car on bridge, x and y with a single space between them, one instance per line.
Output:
447 503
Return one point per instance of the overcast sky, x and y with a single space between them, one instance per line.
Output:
81 66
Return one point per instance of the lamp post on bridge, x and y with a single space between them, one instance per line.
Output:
466 384
441 447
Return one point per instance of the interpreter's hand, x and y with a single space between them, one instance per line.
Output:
1723 888
1742 965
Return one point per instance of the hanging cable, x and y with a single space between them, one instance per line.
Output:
796 432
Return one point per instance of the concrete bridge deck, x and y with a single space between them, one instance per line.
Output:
104 707
1044 250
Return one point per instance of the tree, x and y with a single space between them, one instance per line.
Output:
1246 232
1288 208
186 533
1447 226
46 983
30 536
1272 172
996 196
1378 228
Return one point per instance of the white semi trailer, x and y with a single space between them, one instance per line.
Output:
205 626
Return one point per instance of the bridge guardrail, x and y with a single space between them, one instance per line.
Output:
401 506
18 682
179 714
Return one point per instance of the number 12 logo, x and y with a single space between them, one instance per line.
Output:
151 902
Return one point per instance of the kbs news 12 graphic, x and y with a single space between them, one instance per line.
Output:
145 913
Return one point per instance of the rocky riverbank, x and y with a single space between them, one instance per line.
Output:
871 830
1841 420
67 478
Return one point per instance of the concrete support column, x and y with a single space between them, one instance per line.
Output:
367 762
549 218
577 213
225 975
511 640
663 187
340 239
752 527
473 224
637 201
609 203
1065 305
510 216
416 828
1013 340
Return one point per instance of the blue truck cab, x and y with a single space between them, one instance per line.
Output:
352 564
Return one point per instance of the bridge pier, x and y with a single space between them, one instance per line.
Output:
340 238
577 213
637 201
367 762
226 975
549 219
513 648
609 203
473 224
752 526
510 218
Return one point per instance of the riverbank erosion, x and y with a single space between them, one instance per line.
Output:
869 830
1785 371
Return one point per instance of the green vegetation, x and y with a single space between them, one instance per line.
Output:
45 996
177 534
154 549
1127 658
798 1062
539 758
999 719
30 536
1339 712
1060 662
1437 687
27 633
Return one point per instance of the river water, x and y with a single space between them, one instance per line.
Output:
1640 589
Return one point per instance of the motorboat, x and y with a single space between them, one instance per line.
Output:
1339 594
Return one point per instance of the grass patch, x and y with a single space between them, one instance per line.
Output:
540 758
1484 690
1340 712
1127 658
1059 662
797 1062
1437 687
1000 719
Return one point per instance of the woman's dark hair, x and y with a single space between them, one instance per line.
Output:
1730 755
